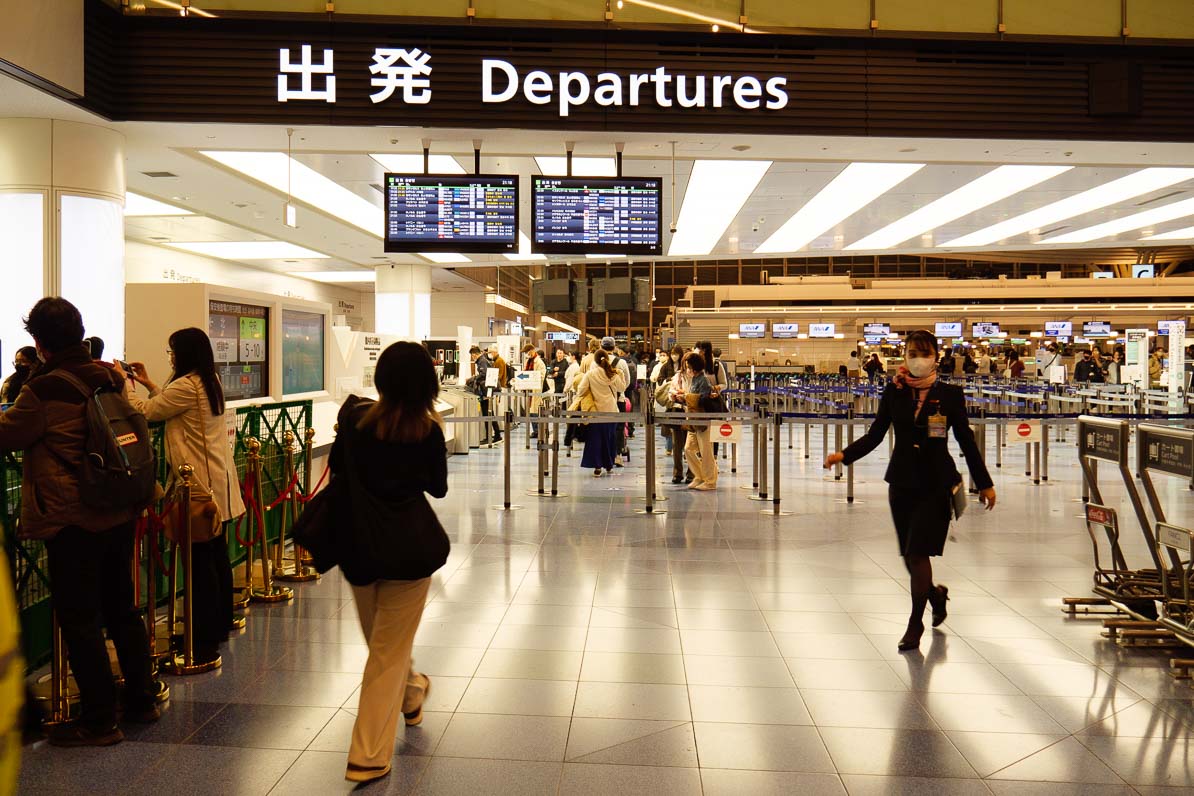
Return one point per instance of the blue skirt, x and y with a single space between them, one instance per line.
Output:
600 446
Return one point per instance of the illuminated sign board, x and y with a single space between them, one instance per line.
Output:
1096 329
984 330
945 330
752 330
821 330
1059 328
784 331
876 330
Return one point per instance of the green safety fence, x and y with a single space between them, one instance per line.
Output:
268 424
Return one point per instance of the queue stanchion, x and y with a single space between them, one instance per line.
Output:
506 445
60 695
1044 451
147 525
775 443
999 445
308 460
761 437
850 470
754 441
1036 463
549 457
837 442
808 436
269 592
185 663
298 571
733 457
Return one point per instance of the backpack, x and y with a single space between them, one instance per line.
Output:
118 470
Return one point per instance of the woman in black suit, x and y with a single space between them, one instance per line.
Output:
922 475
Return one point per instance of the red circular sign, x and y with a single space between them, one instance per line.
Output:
1024 430
726 430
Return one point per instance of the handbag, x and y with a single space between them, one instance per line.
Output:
387 539
958 501
315 528
206 522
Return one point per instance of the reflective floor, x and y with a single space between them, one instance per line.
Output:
576 646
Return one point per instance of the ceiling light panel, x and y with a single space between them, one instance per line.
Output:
1128 187
137 205
988 189
1158 215
413 164
1185 233
581 167
337 277
248 250
716 192
307 185
855 187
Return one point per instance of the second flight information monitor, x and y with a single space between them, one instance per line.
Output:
584 215
475 213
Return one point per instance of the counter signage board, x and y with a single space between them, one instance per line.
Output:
1101 442
1059 328
821 330
1174 536
784 331
985 330
949 330
1173 455
751 331
876 330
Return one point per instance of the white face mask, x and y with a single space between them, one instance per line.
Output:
920 367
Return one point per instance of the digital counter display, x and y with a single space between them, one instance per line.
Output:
475 213
582 215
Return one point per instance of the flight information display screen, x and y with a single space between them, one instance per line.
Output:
586 215
470 213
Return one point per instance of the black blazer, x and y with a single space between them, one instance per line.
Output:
919 460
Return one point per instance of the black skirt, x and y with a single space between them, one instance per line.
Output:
921 519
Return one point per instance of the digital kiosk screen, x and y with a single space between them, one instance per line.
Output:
583 215
876 330
752 331
302 351
240 342
451 213
985 330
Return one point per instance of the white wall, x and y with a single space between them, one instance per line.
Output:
46 38
454 308
154 264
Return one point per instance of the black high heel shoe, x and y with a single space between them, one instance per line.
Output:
911 639
938 597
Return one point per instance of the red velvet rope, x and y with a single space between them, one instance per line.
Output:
307 497
286 495
246 490
153 527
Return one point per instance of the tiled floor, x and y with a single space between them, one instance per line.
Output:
579 647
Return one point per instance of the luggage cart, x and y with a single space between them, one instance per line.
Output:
1132 591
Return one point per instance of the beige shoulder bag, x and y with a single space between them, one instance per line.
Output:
206 522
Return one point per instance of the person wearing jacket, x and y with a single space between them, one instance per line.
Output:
89 549
534 363
571 382
396 447
192 407
921 474
22 368
679 388
604 384
482 363
698 448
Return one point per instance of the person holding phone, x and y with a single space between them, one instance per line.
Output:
922 476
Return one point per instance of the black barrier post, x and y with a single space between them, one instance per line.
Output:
837 441
554 428
808 436
506 443
1036 463
648 407
775 465
850 470
1044 451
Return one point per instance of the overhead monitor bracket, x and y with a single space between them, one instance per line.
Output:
618 147
569 146
476 156
426 155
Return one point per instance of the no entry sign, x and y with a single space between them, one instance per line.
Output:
722 431
1024 431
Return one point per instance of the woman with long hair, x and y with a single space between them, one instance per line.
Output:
603 383
396 450
22 368
922 475
698 448
192 407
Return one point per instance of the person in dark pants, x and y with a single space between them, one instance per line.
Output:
89 549
922 475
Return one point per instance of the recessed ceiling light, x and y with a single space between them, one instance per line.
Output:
413 164
306 185
854 188
717 190
993 186
581 167
337 277
137 205
249 250
1157 215
1122 189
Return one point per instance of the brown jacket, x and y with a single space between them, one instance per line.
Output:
48 423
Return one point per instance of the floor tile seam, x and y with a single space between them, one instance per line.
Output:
675 724
1082 740
1071 736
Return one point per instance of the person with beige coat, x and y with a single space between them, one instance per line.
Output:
192 407
601 385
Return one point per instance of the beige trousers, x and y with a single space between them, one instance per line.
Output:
699 452
390 611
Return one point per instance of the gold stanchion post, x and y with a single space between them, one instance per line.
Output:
187 664
269 592
161 691
297 571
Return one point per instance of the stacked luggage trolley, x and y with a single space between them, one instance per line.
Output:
1146 603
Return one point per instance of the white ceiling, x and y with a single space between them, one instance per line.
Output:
232 207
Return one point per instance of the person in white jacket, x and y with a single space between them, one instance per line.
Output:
192 406
603 383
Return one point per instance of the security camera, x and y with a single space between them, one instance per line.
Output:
672 229
754 227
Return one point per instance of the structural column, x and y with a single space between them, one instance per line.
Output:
62 226
403 305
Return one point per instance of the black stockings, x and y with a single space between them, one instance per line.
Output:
920 570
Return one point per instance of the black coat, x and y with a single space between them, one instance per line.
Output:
918 460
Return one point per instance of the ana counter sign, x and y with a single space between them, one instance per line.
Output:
1059 328
821 330
784 331
752 331
949 330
